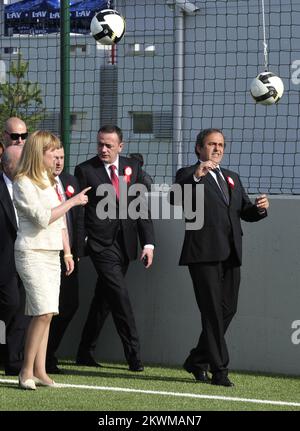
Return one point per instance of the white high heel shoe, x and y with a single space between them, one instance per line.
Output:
40 382
27 384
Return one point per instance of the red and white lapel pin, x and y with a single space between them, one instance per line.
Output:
70 191
127 174
230 182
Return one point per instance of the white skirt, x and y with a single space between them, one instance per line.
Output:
39 271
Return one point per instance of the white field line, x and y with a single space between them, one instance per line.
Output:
170 394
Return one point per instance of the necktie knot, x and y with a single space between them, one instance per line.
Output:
113 168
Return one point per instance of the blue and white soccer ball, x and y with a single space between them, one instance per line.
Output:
108 27
267 88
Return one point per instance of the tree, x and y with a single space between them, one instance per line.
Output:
19 97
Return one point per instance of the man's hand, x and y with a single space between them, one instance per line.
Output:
204 167
262 202
147 256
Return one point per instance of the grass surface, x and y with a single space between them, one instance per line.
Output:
247 385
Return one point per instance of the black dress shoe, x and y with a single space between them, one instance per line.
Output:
87 361
54 370
136 366
200 375
221 381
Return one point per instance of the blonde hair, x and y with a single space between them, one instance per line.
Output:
32 164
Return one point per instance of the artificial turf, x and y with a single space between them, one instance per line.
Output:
154 378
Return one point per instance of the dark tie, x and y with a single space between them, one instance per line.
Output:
114 179
223 185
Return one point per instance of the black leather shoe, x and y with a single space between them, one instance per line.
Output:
136 366
87 361
221 381
200 375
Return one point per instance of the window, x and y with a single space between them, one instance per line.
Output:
51 121
145 49
157 124
11 50
142 122
79 49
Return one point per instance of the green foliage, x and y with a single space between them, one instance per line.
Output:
20 97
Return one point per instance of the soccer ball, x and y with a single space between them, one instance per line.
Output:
108 27
267 88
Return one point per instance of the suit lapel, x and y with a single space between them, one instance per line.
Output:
7 203
101 172
122 165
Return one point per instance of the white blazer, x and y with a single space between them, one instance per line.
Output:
34 206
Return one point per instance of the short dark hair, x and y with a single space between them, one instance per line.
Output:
111 128
202 135
137 156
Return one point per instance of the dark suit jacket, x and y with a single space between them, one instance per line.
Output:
8 233
222 224
76 214
102 233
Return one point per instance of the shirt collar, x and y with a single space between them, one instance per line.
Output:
116 163
7 180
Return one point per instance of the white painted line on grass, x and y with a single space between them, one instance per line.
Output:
170 394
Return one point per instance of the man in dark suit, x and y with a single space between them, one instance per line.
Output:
12 295
111 244
213 253
67 186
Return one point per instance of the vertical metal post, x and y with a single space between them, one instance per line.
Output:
178 145
65 79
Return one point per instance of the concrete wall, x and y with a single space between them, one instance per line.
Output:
167 316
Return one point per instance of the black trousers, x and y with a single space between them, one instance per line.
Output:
68 305
111 295
216 286
12 305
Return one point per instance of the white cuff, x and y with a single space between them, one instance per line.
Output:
149 246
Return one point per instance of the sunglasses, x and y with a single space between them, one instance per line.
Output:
16 136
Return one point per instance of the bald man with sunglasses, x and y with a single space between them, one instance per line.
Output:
15 132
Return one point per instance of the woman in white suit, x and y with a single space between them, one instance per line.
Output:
42 234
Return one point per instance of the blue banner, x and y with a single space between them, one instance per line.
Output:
43 16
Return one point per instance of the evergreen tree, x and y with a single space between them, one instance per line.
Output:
20 97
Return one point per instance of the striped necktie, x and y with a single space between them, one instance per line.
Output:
114 179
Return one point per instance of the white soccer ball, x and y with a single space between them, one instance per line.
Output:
108 27
267 88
